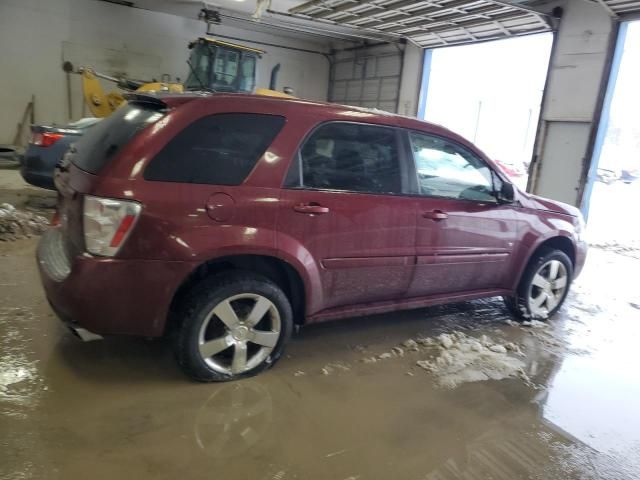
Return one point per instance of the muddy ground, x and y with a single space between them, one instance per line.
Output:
119 408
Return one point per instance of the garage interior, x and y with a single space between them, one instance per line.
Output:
349 400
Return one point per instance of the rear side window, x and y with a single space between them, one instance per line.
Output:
350 157
100 143
218 149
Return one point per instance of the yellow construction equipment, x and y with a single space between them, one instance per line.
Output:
214 66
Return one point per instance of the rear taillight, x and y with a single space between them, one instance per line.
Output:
107 224
45 139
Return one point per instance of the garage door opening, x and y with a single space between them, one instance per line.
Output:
614 179
490 93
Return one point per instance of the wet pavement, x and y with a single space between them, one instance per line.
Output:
120 408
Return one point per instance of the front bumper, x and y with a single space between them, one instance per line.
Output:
108 296
581 257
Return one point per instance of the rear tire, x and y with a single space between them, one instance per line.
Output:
234 325
543 287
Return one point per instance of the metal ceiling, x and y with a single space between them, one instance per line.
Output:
430 23
620 8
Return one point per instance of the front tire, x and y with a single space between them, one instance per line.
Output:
234 325
543 287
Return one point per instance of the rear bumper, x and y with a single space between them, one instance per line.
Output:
42 180
82 333
108 296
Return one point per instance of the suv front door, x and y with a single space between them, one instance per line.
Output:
343 203
464 237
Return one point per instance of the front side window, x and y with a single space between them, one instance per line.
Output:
219 149
445 169
349 157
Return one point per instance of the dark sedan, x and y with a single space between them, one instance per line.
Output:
46 147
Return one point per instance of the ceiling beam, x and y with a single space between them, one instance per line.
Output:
608 8
376 8
435 19
403 15
311 4
397 6
451 18
518 6
464 24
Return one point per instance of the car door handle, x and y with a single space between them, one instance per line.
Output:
436 215
311 209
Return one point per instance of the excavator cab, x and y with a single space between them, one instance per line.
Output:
220 66
214 66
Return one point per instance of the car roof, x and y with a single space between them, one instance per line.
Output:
327 109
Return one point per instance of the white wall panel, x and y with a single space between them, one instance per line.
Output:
565 145
577 77
36 36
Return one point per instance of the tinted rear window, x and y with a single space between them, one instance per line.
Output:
101 142
218 149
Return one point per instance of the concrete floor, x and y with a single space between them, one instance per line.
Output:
120 408
14 190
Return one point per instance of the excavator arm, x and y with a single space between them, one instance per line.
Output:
102 104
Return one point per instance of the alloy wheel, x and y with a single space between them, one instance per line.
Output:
239 333
547 288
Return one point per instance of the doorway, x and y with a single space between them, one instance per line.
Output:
613 189
490 93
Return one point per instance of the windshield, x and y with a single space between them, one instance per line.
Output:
198 68
225 69
221 68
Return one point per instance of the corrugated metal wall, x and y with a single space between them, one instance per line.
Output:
367 78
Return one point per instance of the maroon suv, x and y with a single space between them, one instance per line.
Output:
226 219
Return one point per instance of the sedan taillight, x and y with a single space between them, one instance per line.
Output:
107 224
45 139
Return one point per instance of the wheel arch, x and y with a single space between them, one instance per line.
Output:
557 242
279 271
560 242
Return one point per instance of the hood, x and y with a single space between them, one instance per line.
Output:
540 203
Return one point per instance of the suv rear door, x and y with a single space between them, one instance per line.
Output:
464 237
343 202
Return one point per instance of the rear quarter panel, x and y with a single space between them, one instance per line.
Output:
175 224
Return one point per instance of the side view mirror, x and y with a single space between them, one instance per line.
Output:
506 193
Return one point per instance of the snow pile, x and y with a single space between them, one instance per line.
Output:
330 368
16 224
629 247
464 359
534 324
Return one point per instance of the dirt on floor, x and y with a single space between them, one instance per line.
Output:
15 191
16 224
449 392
